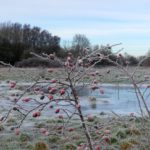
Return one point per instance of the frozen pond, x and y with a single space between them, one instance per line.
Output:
121 100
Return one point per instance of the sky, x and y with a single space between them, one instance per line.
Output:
102 21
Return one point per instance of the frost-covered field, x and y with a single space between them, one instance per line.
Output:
125 132
108 74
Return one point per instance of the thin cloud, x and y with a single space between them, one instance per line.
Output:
106 21
102 31
111 9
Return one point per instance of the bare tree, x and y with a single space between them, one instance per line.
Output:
80 41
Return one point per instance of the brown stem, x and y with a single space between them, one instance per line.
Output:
87 134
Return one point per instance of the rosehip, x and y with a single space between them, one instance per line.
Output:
71 129
98 148
12 84
53 81
101 91
53 90
106 139
51 106
36 89
57 110
43 130
90 118
49 70
79 148
17 131
94 87
107 132
36 114
26 100
60 117
62 92
50 97
46 133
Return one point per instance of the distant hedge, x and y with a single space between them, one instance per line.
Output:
17 41
36 62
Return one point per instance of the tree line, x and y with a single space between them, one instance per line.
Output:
17 41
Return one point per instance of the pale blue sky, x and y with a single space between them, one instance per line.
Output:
103 22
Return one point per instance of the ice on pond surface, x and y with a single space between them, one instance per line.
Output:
121 100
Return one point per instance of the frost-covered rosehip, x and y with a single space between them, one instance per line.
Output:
26 100
53 81
101 91
12 84
53 90
50 97
57 110
51 106
43 130
17 131
62 92
98 147
36 114
90 118
49 70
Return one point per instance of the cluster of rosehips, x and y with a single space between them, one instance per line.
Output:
12 84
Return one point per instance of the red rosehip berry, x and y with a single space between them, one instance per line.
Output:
94 87
71 129
46 133
43 130
98 147
50 97
26 100
61 117
17 131
101 91
53 81
49 70
12 84
62 92
90 118
36 114
51 106
57 110
106 139
107 132
79 148
53 90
